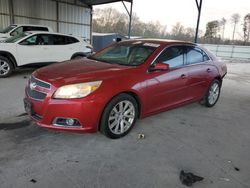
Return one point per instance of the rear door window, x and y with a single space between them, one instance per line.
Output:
44 39
59 40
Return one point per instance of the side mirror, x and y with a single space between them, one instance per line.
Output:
24 43
159 67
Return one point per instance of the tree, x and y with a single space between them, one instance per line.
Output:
109 20
246 28
223 22
190 33
177 30
212 29
235 18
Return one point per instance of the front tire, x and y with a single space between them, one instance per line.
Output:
6 67
119 116
213 93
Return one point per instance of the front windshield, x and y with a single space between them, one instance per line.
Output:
15 38
127 53
7 29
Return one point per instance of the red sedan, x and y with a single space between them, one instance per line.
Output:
128 80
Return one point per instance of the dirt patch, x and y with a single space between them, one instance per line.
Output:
15 125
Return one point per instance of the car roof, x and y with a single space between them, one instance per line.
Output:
30 25
47 32
161 41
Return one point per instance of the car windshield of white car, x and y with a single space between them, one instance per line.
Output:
15 38
129 54
7 29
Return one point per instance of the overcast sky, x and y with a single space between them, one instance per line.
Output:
168 12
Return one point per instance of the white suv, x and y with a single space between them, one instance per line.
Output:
16 29
31 48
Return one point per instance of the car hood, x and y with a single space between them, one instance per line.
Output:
3 36
77 71
6 46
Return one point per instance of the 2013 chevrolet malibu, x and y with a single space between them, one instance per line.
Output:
128 80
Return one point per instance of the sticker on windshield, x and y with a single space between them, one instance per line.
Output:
151 44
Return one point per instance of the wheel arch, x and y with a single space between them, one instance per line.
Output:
78 54
10 57
131 93
219 79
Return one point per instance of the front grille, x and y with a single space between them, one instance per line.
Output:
36 94
40 82
37 89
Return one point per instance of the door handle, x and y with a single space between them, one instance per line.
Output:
209 70
183 76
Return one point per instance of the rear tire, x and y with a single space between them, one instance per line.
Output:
6 67
213 93
119 116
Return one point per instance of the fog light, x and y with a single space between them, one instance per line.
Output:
66 122
70 122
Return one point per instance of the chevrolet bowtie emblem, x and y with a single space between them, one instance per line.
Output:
32 85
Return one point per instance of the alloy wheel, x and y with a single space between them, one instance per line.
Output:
4 68
121 117
214 92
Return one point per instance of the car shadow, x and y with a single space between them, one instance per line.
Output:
22 72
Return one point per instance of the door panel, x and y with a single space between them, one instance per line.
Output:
168 88
32 54
59 53
33 50
165 89
61 49
200 76
199 70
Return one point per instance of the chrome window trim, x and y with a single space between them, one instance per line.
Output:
184 63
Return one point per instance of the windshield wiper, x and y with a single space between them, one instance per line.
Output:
91 57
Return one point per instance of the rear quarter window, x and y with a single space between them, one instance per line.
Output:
196 55
71 40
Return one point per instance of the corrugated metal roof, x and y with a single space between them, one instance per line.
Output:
99 2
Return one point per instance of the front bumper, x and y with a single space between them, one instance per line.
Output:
87 111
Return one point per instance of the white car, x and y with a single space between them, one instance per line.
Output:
31 48
16 29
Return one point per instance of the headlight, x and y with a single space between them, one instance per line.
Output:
76 90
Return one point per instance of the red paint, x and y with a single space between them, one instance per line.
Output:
156 91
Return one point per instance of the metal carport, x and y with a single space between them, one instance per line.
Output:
99 2
52 12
